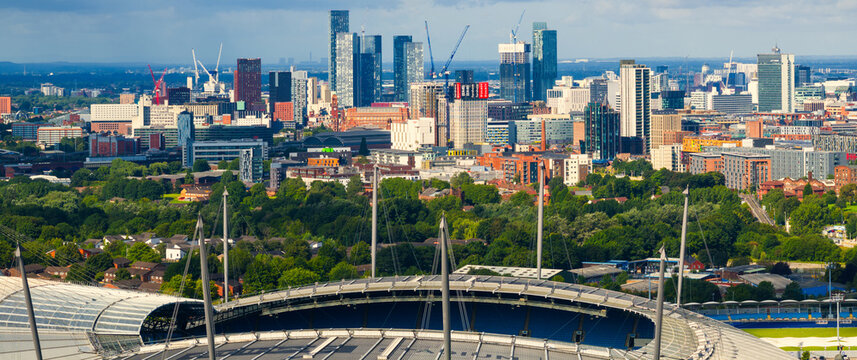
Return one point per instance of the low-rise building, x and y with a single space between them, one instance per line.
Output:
746 170
577 167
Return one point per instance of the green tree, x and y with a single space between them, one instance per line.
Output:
355 185
297 277
200 165
122 274
460 179
360 254
807 190
342 271
99 262
793 292
142 252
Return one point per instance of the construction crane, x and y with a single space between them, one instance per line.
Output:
431 56
445 69
513 36
213 84
158 85
195 69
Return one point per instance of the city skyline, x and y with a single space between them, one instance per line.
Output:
97 31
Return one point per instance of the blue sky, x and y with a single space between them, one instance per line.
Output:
161 31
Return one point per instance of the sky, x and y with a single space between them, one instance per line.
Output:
164 31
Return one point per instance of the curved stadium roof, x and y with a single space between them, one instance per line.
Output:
67 314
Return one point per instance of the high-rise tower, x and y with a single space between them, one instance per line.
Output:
544 60
400 72
347 69
515 72
248 83
372 83
635 96
776 72
338 24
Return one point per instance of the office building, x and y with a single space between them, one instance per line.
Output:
500 132
567 100
26 131
701 100
338 24
601 131
746 171
468 121
400 69
776 73
635 101
364 81
515 77
49 89
204 133
701 163
371 81
113 112
248 83
5 105
279 88
803 75
806 93
105 145
185 129
663 121
51 135
507 110
374 117
732 104
544 60
347 69
667 157
672 100
559 129
575 169
251 152
178 96
413 134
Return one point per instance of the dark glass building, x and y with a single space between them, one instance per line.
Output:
338 24
279 88
803 75
248 83
464 76
372 46
400 69
601 131
515 74
178 96
544 60
672 100
364 80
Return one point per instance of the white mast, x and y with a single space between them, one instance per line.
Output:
195 69
37 347
682 249
660 306
225 249
374 216
206 292
444 273
541 220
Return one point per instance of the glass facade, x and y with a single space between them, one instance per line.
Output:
601 131
414 63
279 88
347 68
400 77
544 60
515 72
776 82
372 81
338 24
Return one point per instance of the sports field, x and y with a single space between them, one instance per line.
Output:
803 332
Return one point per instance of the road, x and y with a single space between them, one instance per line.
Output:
756 209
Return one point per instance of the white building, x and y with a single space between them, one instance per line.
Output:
635 109
413 134
113 112
468 122
576 168
701 100
668 157
175 252
565 100
49 89
559 129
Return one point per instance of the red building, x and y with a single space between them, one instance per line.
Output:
5 105
248 83
112 145
284 111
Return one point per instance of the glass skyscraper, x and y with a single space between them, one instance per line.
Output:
279 88
776 72
400 69
372 46
347 69
515 72
601 128
544 60
414 63
338 24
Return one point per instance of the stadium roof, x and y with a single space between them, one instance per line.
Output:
686 334
67 314
520 272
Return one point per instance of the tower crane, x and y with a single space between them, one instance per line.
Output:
195 68
158 85
431 56
513 36
445 69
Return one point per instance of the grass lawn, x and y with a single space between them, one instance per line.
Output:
174 199
848 209
803 332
